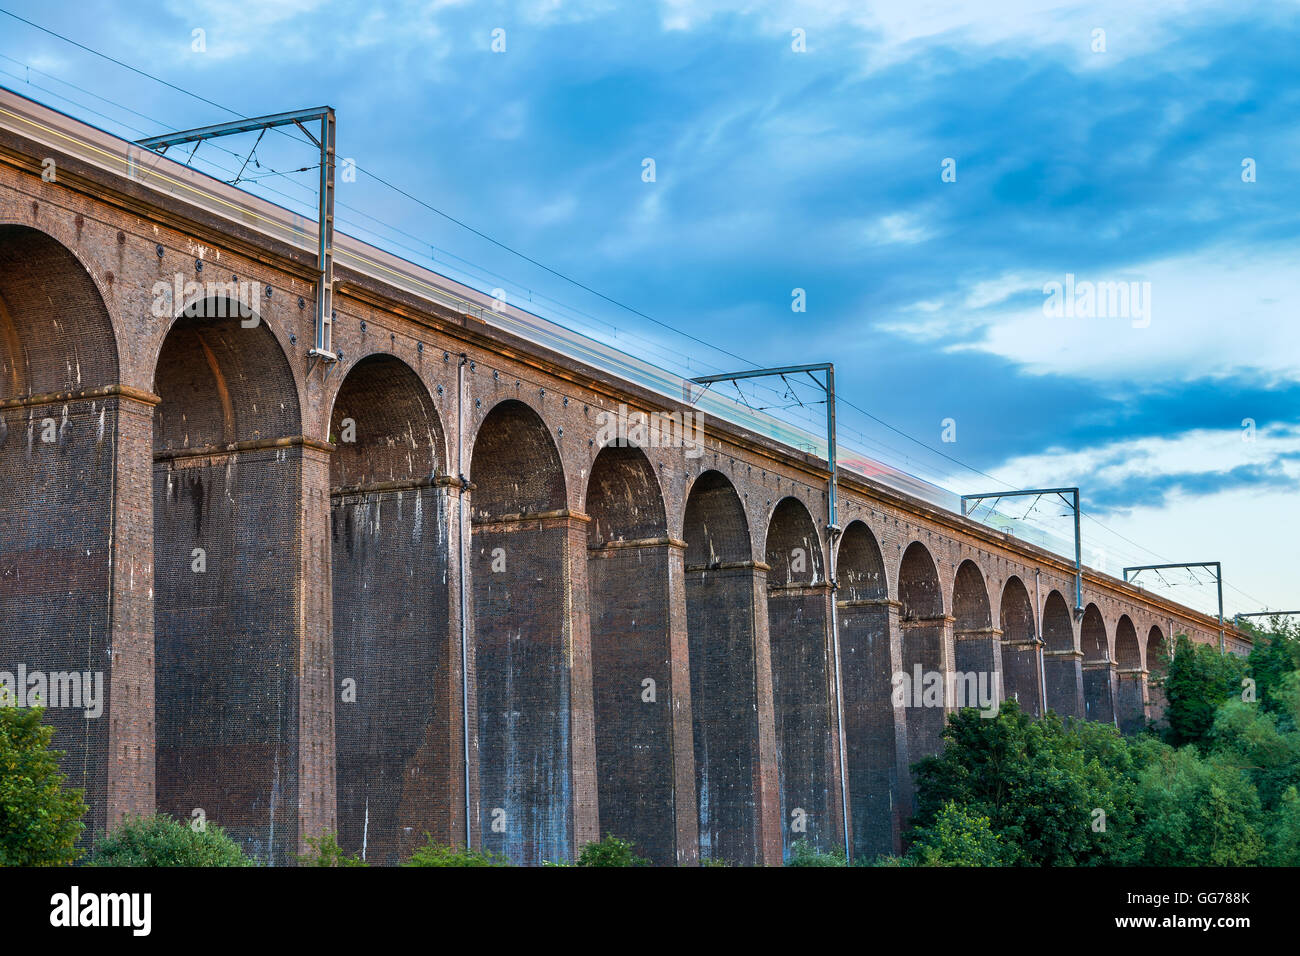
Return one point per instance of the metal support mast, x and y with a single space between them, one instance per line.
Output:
1071 497
827 385
325 245
1208 565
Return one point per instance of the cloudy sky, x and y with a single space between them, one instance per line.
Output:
923 171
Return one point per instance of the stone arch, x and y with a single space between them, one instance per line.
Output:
1130 683
629 561
1062 662
390 522
56 334
515 464
58 456
798 614
1020 647
977 652
715 528
227 473
394 429
927 650
521 547
1098 668
1157 653
721 625
793 549
870 658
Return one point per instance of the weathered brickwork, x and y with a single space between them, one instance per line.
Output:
471 557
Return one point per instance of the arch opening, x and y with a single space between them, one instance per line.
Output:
1130 681
870 659
977 653
1157 666
520 545
389 541
927 651
798 613
721 633
628 570
58 475
1098 669
1020 647
226 567
1062 664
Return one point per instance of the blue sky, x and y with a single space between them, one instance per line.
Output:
820 169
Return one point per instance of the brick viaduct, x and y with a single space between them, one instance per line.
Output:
420 559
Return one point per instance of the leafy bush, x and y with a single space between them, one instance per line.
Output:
803 853
611 851
958 837
40 821
160 841
440 854
325 851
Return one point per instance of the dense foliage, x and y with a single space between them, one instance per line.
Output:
1216 784
161 841
438 854
40 821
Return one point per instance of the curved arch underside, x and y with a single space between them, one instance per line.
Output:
629 569
58 468
522 568
226 559
391 532
870 659
798 613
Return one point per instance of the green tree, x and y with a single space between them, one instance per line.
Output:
40 820
159 840
610 851
1196 811
1200 678
959 837
1284 831
1056 792
440 854
1274 662
325 851
803 853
